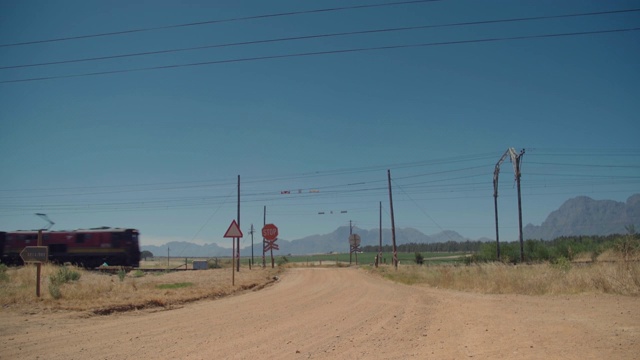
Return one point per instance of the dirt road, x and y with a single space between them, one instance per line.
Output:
341 313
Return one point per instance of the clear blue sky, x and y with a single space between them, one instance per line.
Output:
160 150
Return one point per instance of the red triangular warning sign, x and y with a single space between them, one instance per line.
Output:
233 231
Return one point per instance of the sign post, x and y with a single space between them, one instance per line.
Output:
235 233
270 235
38 255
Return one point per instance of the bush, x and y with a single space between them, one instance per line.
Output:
419 258
213 264
627 247
54 291
282 260
122 273
562 263
64 275
3 273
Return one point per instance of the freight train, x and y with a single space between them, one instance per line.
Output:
87 248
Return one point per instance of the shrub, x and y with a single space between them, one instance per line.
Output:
122 273
213 264
562 263
174 285
54 290
3 273
536 251
64 275
419 258
627 246
282 260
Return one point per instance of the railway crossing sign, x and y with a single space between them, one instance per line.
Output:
270 235
354 246
35 254
354 240
271 245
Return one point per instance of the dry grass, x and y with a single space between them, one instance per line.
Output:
102 293
496 278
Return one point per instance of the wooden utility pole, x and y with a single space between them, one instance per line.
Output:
264 222
518 174
38 266
251 232
393 224
350 246
496 173
238 220
515 160
380 238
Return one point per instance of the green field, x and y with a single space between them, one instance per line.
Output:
315 260
369 258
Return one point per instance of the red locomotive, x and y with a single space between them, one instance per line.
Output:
88 248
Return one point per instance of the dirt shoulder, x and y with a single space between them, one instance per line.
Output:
339 313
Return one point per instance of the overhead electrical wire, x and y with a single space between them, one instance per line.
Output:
318 53
207 22
586 165
262 180
416 188
316 36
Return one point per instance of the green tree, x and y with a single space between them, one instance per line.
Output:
146 254
628 245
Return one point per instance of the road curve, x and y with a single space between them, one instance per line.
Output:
342 313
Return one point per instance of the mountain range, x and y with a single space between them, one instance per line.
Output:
585 216
578 216
335 241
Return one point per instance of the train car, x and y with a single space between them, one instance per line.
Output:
2 237
88 248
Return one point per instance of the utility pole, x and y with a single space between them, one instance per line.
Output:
496 173
251 232
515 160
393 224
350 247
38 266
238 239
518 174
380 238
264 222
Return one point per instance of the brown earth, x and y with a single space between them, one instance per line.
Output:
340 313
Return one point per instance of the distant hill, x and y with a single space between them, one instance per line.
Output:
578 216
585 216
336 241
187 249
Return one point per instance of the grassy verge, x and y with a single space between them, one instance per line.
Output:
621 278
102 293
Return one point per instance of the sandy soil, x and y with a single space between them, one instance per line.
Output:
341 313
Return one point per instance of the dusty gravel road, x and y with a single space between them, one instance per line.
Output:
341 313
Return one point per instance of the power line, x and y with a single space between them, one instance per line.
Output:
262 180
208 22
316 36
586 165
308 54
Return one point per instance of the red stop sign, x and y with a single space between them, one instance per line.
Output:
270 232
